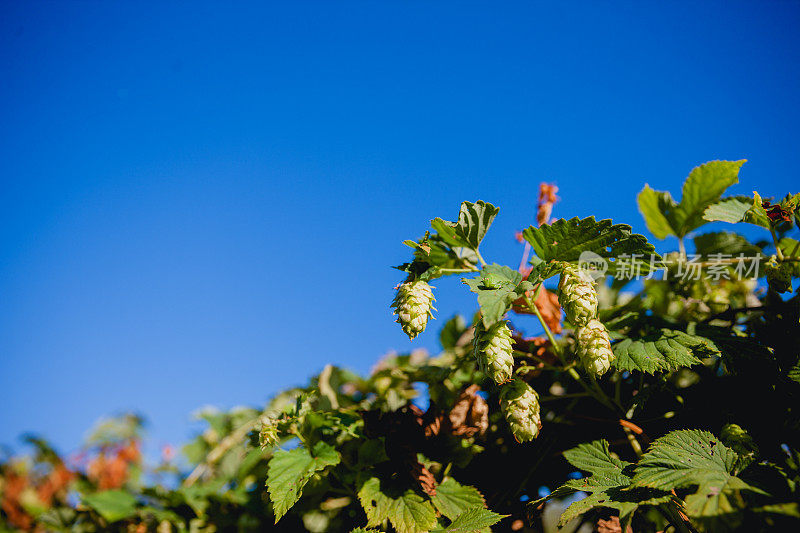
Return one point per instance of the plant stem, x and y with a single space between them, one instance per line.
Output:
682 248
480 257
547 332
778 250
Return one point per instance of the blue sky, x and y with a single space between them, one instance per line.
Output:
200 205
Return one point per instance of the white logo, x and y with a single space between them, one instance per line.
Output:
593 265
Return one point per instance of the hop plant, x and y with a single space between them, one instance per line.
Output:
594 347
779 275
577 295
413 305
520 406
492 349
268 436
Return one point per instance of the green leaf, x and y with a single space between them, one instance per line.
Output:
432 255
662 351
595 457
452 331
474 519
375 503
289 471
737 209
703 187
656 208
609 486
794 372
565 240
724 242
112 505
497 287
452 498
474 220
408 512
687 458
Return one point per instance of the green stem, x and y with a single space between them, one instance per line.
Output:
480 257
547 332
778 251
682 248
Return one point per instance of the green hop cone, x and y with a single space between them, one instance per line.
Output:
413 305
268 436
492 349
779 275
577 295
520 406
594 347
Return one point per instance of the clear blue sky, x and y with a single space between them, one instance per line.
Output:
200 205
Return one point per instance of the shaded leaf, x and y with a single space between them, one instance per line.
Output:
724 242
112 505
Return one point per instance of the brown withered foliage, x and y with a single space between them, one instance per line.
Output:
13 486
544 206
547 304
110 468
539 347
470 414
46 489
776 212
611 525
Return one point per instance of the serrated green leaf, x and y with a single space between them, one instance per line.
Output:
289 471
595 458
714 509
686 458
724 242
452 498
474 220
565 240
474 519
375 503
656 208
407 511
794 372
497 287
112 505
608 487
363 530
663 351
433 256
703 187
410 513
737 209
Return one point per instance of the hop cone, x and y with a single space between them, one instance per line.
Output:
594 347
779 276
520 405
413 305
577 295
492 349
